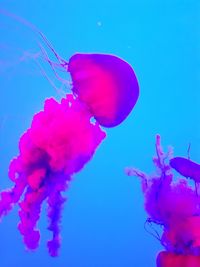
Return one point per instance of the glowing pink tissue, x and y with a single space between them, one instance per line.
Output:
60 141
172 204
107 84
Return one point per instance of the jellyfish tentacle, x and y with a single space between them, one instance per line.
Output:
152 230
55 205
10 197
60 141
34 29
58 90
143 176
62 62
29 215
55 202
54 65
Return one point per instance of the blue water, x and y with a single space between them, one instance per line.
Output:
103 219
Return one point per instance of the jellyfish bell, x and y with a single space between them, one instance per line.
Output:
107 84
170 259
186 167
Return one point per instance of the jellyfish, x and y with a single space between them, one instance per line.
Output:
107 84
186 167
173 208
63 137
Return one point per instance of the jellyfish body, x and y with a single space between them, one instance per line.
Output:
186 167
107 84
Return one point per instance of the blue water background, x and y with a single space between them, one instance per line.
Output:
103 219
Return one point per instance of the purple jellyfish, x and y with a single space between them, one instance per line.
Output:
173 205
186 167
63 137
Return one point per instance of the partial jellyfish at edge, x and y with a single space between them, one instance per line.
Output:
173 205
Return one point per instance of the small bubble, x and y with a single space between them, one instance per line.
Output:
99 23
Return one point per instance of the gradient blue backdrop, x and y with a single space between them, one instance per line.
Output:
103 219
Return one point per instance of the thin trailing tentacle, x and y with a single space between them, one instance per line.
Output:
53 65
35 29
60 91
62 63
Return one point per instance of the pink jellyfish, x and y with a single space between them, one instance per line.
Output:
173 205
63 137
107 84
